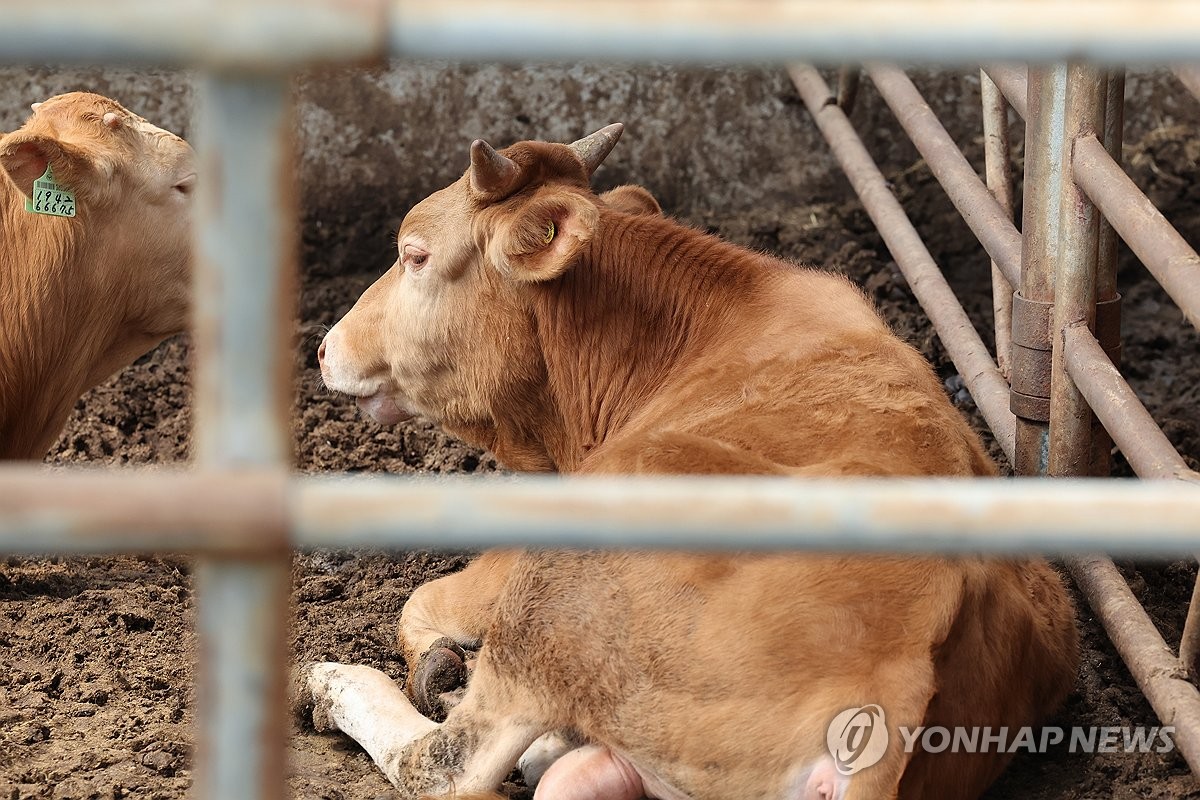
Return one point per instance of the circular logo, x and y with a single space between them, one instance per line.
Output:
857 738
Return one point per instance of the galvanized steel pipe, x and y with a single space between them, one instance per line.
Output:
1151 31
979 207
245 290
186 512
257 36
958 335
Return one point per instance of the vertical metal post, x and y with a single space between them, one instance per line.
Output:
1108 299
1031 347
245 294
1071 418
998 172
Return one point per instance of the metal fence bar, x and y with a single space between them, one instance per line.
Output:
1071 419
1159 674
263 34
1012 81
1108 299
999 176
1144 444
245 294
1030 397
962 342
134 512
904 515
279 33
1152 31
1189 76
978 206
1155 241
101 511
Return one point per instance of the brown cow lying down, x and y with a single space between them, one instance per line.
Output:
588 334
94 267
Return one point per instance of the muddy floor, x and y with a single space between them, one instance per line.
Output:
97 654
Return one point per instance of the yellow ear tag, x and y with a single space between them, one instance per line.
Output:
50 198
550 231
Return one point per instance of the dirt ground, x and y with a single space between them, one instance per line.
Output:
97 654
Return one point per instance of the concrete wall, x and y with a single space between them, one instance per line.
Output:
374 141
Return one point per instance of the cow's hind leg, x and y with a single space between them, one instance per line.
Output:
472 751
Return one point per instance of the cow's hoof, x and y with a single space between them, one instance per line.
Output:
306 698
441 671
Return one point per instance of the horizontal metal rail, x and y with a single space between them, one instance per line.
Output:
281 33
1170 259
1159 674
968 352
263 513
1144 444
258 35
978 206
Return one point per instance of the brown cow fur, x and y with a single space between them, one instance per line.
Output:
82 297
566 333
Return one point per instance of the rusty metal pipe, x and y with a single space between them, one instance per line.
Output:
1158 673
1166 255
978 206
1071 419
1012 80
849 79
1144 444
1030 398
999 173
958 335
1108 312
1189 642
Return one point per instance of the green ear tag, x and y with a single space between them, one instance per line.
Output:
50 198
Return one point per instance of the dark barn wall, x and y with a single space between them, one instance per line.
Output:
371 142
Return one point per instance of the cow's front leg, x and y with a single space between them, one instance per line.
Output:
444 616
472 751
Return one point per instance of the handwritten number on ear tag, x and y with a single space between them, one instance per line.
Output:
550 231
50 197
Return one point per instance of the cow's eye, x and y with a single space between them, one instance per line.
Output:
415 258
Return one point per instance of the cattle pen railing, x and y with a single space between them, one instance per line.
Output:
241 511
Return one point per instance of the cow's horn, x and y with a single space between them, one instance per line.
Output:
595 147
491 172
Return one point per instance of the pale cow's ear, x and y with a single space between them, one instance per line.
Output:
24 156
545 238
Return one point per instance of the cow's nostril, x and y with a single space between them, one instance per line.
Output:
321 352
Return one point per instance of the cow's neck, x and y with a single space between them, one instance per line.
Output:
51 335
618 328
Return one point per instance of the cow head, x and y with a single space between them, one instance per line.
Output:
447 331
132 183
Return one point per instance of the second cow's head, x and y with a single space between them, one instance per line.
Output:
448 332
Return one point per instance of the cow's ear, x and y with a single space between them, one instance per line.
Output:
545 237
24 157
632 199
